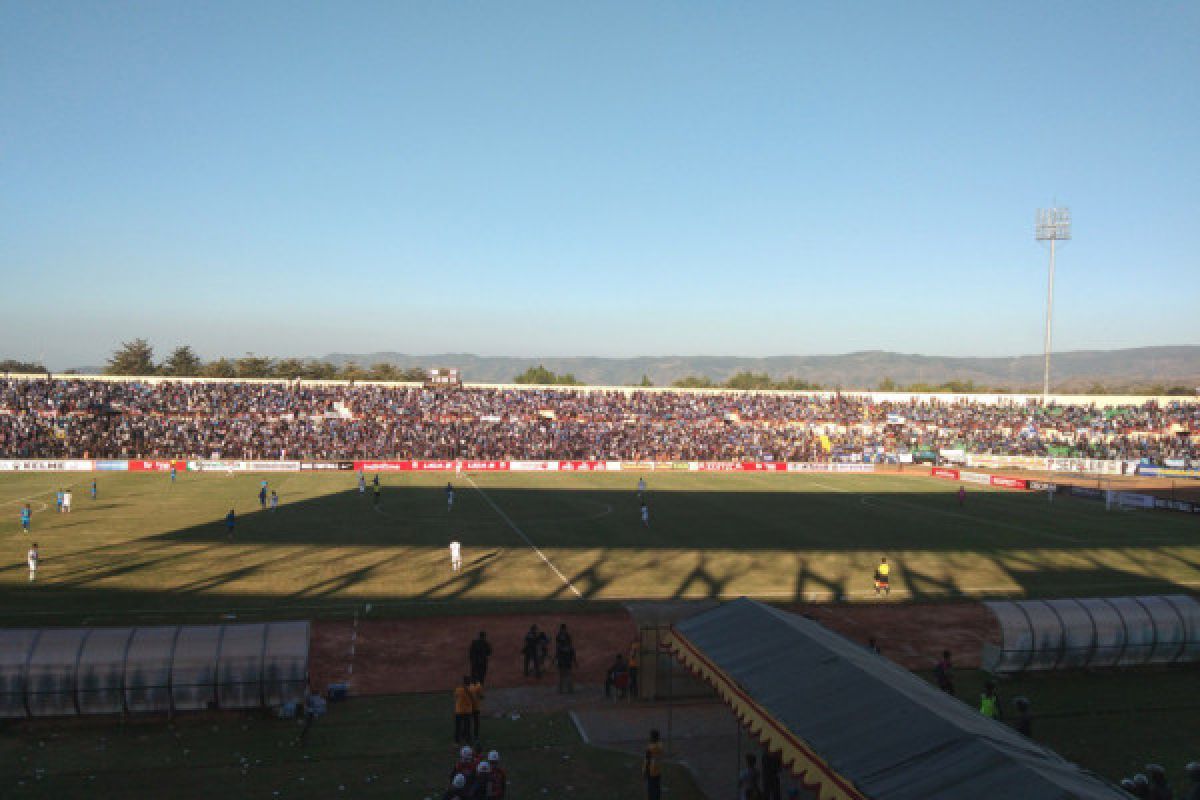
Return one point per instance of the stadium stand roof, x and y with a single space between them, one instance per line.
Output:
852 725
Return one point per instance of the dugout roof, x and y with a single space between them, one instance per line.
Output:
852 725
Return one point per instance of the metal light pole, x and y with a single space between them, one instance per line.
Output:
1052 225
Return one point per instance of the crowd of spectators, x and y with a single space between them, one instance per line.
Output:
57 418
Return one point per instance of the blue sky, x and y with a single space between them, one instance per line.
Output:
595 179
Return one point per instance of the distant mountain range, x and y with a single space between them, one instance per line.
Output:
1071 371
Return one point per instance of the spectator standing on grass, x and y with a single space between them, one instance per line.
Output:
475 688
1024 723
617 677
749 784
989 701
463 705
652 767
529 650
944 672
564 657
478 654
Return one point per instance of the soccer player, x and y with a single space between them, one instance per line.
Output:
882 577
262 495
274 500
67 501
172 473
641 488
455 556
962 496
362 483
230 522
449 496
93 490
645 515
32 557
377 490
26 517
58 498
375 481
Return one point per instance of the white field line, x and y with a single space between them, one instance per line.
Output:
953 514
528 541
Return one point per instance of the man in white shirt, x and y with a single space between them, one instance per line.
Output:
32 557
67 501
455 556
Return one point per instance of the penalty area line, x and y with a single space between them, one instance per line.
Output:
528 541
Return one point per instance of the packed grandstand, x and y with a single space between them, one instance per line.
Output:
72 417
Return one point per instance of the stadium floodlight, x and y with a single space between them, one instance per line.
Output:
1052 225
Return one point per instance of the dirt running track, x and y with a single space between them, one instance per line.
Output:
429 654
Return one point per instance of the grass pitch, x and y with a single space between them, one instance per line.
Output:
147 549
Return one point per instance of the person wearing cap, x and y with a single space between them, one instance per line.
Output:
1193 773
1141 786
465 765
457 790
499 776
481 788
1159 788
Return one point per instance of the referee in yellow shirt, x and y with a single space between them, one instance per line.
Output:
882 579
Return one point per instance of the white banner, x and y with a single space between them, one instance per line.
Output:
975 477
269 466
68 465
533 466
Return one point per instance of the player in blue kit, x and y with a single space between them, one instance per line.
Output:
26 517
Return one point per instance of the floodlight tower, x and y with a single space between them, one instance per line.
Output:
1052 225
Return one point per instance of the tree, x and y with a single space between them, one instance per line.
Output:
694 382
12 365
182 363
887 385
252 366
290 368
221 368
414 375
320 371
542 376
382 371
351 371
645 381
132 358
750 380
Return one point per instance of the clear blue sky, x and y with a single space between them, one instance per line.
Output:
555 178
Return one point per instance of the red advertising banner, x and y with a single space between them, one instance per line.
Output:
942 472
144 465
430 466
1009 483
582 466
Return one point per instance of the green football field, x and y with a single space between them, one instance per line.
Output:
150 549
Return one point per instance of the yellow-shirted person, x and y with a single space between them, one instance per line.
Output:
652 767
464 704
882 577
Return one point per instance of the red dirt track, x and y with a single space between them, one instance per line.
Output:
425 654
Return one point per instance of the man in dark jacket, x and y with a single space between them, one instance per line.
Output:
481 650
564 658
530 651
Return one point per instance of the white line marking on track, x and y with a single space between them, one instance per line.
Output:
528 541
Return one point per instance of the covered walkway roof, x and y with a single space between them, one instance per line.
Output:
853 725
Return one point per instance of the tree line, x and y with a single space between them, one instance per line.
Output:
137 358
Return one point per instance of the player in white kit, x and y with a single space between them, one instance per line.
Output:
67 501
455 556
645 516
32 557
